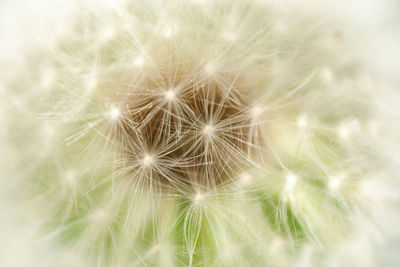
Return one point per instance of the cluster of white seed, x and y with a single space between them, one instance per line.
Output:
196 133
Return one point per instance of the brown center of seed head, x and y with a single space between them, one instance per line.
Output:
182 129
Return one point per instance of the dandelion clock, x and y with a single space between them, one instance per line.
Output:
195 133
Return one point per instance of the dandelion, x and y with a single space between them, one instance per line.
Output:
196 133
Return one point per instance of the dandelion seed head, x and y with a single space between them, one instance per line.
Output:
348 128
291 180
114 113
206 123
210 68
290 184
148 160
302 122
209 130
100 215
173 158
335 182
139 61
170 95
344 131
256 111
245 178
70 177
198 198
